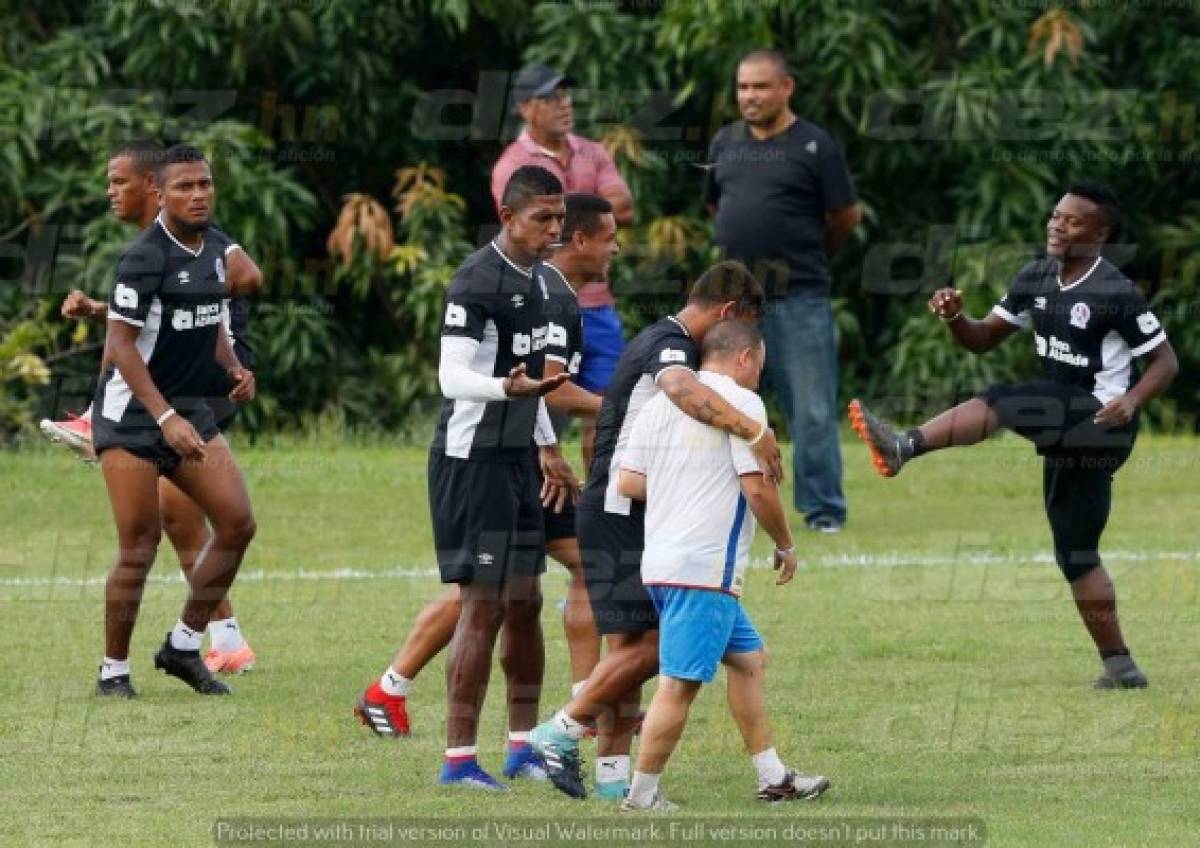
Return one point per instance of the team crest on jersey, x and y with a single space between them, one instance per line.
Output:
1080 314
518 300
1147 323
220 268
1039 303
672 355
184 277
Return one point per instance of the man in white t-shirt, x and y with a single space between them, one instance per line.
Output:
703 492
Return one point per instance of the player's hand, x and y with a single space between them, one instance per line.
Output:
785 564
78 306
517 384
559 482
243 385
1117 413
766 451
946 303
183 438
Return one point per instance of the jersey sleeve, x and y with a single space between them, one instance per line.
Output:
1137 324
558 341
1014 306
674 351
467 312
837 186
744 459
139 278
221 240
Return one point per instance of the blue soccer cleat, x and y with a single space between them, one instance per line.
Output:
470 774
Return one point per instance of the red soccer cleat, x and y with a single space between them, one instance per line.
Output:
385 714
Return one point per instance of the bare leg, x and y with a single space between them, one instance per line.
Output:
664 722
747 679
217 487
133 494
470 663
431 632
184 523
583 642
523 651
632 659
1096 600
966 424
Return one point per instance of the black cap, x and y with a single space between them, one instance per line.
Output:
538 81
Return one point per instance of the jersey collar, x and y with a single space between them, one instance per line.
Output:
563 276
681 326
1086 274
528 272
171 236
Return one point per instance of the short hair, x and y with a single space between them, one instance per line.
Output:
145 154
1104 196
767 55
729 337
175 155
526 183
729 281
583 214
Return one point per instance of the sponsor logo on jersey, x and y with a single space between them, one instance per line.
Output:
518 300
523 343
125 296
1039 303
204 315
456 316
1147 323
1080 313
557 335
1059 351
670 354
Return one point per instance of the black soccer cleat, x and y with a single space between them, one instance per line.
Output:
1131 679
887 454
188 667
116 687
794 787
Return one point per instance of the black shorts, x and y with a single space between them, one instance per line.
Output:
610 546
487 519
559 525
224 410
141 436
1079 460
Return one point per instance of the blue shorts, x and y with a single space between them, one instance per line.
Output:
602 346
696 628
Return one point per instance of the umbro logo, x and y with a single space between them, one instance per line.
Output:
1039 303
486 559
811 147
518 300
184 277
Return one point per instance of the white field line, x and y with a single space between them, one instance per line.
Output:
864 560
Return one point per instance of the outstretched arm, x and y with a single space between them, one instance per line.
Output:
975 336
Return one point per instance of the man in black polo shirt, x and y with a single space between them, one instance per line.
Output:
784 200
1089 322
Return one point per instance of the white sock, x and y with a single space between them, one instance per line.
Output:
577 687
225 635
466 752
394 684
643 788
111 668
568 725
612 769
184 638
770 768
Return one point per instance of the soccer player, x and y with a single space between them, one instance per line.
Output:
1089 322
610 525
483 488
134 199
588 242
152 420
697 484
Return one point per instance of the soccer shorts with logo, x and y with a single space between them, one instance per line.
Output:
610 546
487 519
1079 460
696 628
139 434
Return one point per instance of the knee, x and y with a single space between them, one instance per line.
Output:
141 540
239 532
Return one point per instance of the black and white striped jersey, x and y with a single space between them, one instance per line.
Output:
1086 333
501 305
664 344
173 295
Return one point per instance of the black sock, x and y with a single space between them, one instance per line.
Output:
912 443
1114 652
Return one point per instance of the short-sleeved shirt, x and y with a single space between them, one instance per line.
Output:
236 317
173 295
698 524
663 345
564 333
772 197
1086 333
590 170
502 306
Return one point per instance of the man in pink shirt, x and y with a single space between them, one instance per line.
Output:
543 100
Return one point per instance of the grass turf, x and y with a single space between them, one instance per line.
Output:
928 660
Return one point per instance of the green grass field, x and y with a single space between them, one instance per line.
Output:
928 660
